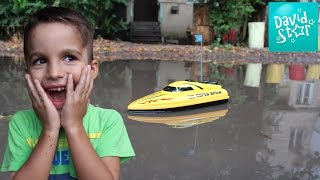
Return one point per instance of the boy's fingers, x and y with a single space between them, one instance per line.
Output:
90 88
28 86
70 84
80 87
41 92
31 89
88 81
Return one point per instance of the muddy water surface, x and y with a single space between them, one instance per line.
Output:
268 131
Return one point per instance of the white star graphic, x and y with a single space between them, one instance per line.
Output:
301 29
299 10
292 40
311 21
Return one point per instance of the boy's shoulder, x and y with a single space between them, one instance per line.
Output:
25 121
24 115
99 113
29 113
28 116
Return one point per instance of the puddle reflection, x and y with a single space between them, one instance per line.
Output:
184 119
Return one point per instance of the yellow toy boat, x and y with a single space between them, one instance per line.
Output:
184 119
181 94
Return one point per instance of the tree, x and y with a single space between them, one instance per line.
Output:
101 13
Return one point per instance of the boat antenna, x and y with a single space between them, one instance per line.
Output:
198 38
192 151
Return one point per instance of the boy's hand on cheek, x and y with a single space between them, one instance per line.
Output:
42 105
75 107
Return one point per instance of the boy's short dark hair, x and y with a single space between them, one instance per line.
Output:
65 16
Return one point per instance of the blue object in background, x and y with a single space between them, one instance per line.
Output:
198 38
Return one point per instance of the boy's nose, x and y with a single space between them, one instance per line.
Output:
55 71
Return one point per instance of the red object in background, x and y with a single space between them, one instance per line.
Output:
229 71
233 36
297 72
230 37
225 38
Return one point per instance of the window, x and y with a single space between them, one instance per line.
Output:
305 93
170 89
177 89
185 89
297 135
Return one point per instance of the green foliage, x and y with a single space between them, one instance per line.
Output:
101 13
14 14
230 14
217 43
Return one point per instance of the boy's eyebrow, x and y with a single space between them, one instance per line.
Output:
34 54
72 51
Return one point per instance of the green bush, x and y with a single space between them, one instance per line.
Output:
13 14
101 13
230 14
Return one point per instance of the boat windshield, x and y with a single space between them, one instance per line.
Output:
177 89
170 89
185 89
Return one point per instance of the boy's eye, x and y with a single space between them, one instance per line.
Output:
69 58
39 61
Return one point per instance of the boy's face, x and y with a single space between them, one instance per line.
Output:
54 51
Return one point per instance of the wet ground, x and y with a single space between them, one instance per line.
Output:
268 131
107 50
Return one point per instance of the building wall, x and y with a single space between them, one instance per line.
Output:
175 25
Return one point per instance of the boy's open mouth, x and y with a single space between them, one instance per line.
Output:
57 96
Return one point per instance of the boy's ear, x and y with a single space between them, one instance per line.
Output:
94 68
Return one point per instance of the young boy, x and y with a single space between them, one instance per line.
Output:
63 136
